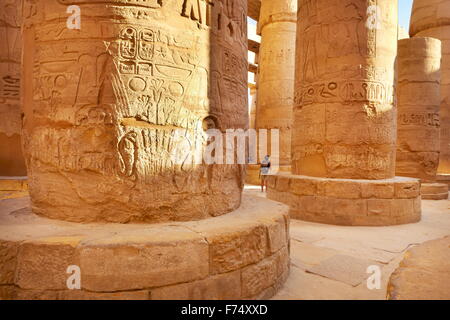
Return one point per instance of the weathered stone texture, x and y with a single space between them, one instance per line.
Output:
431 18
13 183
11 159
348 202
244 254
259 276
253 174
434 191
344 115
418 96
42 264
155 258
344 131
275 95
252 109
116 112
424 273
8 262
225 286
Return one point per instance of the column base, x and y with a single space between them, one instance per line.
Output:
434 191
13 183
348 202
253 176
443 178
241 255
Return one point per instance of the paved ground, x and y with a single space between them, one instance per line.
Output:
330 262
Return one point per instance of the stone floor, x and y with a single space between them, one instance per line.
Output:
330 262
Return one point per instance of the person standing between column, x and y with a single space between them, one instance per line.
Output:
264 171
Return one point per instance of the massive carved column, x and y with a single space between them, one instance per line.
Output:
344 132
431 18
418 87
111 110
116 112
11 158
277 26
344 113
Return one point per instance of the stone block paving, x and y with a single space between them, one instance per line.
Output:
323 257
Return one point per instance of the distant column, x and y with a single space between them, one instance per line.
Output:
252 111
419 61
11 159
117 111
431 18
277 26
344 130
418 96
344 116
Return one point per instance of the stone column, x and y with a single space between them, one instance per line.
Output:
111 111
277 27
252 112
11 158
252 169
418 93
402 33
116 111
344 131
431 18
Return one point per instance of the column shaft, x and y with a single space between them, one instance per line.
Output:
418 97
116 111
11 159
431 18
344 130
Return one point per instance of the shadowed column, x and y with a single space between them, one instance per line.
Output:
116 111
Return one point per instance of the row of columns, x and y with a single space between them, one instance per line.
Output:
335 142
342 124
345 149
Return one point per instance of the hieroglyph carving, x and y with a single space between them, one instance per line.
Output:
114 100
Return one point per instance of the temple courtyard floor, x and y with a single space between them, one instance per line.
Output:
331 262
